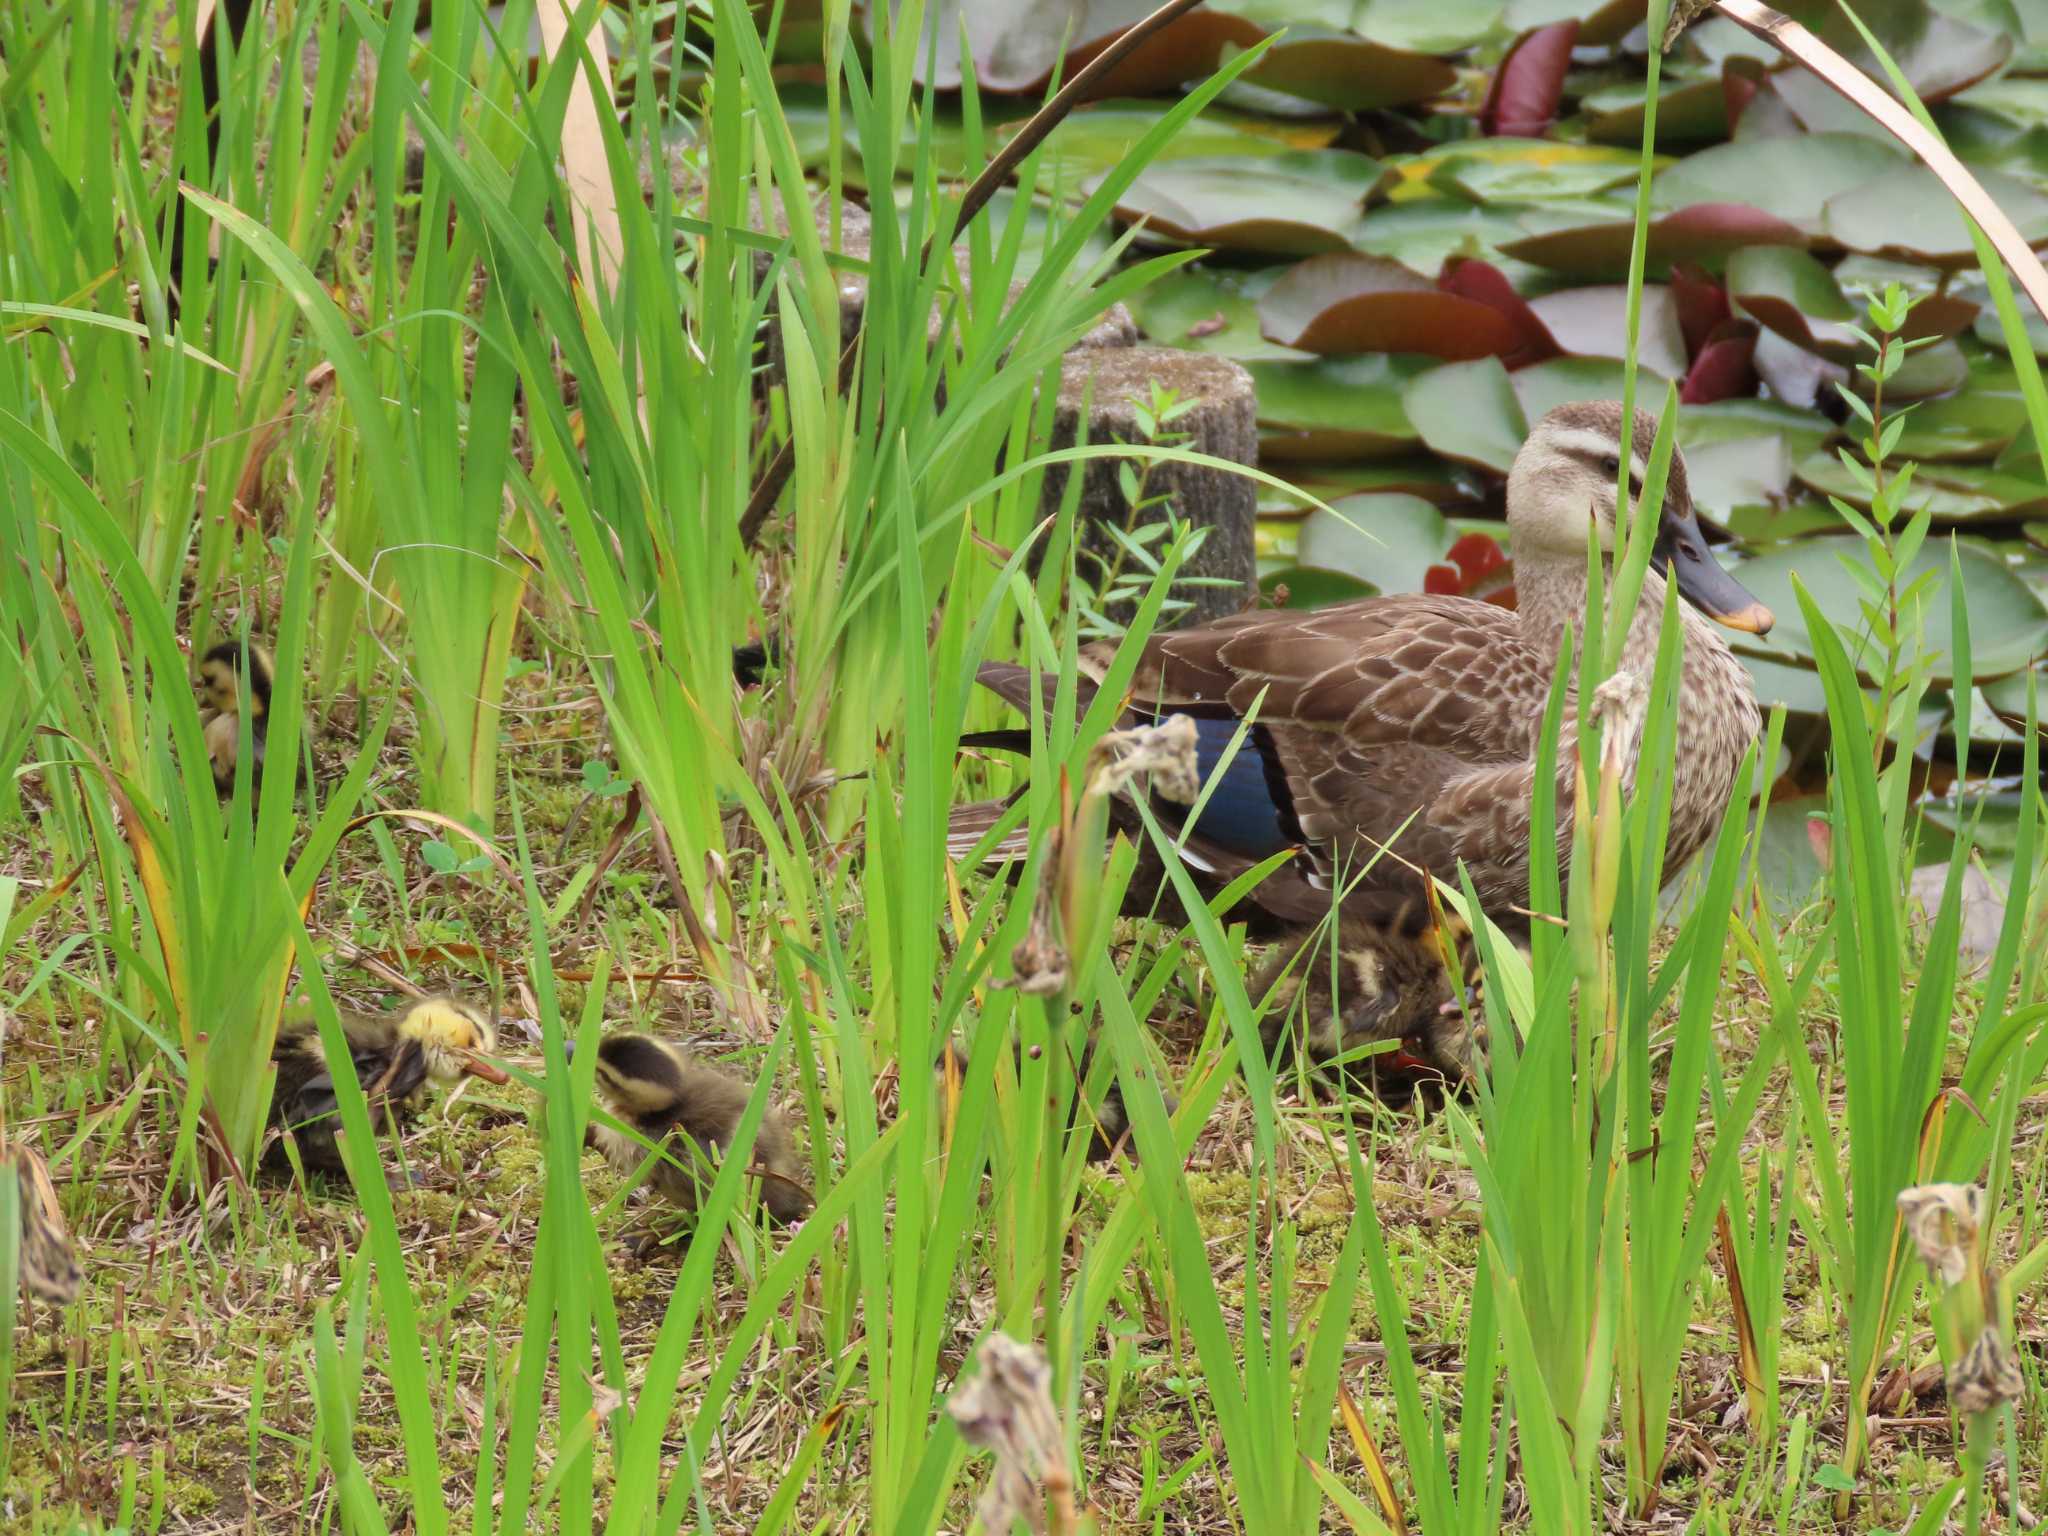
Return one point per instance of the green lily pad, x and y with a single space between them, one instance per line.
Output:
1469 412
1386 540
1791 182
1347 302
1705 234
1515 170
1436 482
1958 492
1767 525
1425 234
1738 472
1980 421
1732 420
1346 72
2008 624
1796 687
1303 586
1301 203
1908 213
1600 24
1095 138
1788 291
1209 309
1691 113
1563 380
1335 408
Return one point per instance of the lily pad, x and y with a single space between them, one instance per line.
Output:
1336 408
2008 625
1593 322
1980 421
1486 284
1957 492
1909 214
1600 24
1389 541
1791 293
1096 138
1513 170
1347 302
1794 375
1689 113
1436 482
1426 234
1791 182
1209 309
1705 233
1469 412
1738 472
1522 100
1564 380
1301 203
1301 586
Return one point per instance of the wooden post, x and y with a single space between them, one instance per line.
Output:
1109 383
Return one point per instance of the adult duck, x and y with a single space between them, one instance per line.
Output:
1409 723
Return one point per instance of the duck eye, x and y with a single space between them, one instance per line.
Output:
1610 464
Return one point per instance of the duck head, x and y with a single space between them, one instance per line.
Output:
454 1036
1564 480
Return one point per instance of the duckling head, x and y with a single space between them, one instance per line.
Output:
220 679
639 1075
454 1036
1564 483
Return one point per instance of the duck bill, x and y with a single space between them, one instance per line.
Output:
476 1066
1681 554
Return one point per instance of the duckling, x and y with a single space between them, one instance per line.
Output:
220 688
396 1055
690 1111
1109 1120
1391 982
49 1261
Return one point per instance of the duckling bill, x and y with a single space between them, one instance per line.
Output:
432 1041
223 693
692 1113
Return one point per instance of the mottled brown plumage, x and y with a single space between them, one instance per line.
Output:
48 1259
692 1113
1397 735
396 1055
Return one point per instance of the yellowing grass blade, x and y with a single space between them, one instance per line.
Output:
1369 1453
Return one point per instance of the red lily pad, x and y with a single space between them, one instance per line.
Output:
1476 566
1527 88
1725 368
1707 232
1347 302
1486 284
1702 305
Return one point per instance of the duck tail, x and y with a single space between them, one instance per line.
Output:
969 825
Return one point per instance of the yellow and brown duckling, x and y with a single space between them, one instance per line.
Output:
433 1041
692 1113
228 696
49 1260
1109 1121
